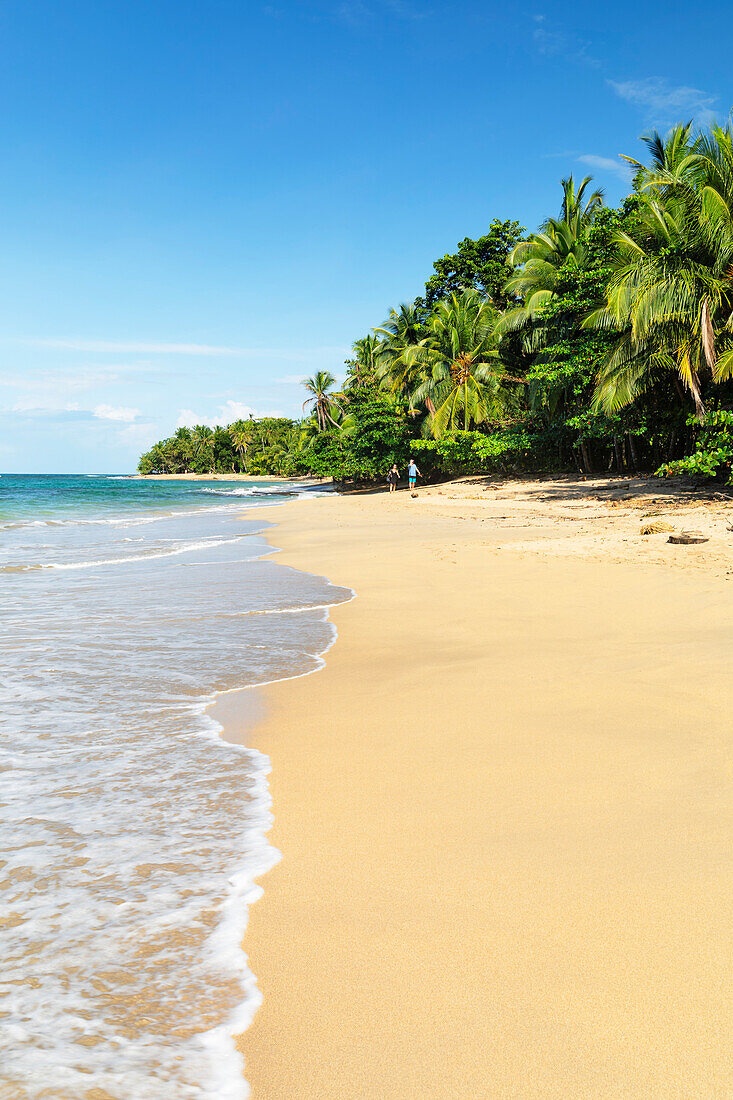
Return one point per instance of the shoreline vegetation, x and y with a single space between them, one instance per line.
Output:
600 343
504 825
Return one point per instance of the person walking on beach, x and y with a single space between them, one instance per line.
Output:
393 477
412 473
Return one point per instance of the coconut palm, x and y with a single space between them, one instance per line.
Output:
462 380
574 211
670 296
403 329
362 369
242 436
560 244
202 445
322 402
672 154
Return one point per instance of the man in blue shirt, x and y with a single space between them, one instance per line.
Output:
412 473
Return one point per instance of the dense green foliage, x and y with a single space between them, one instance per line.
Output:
248 446
483 264
602 341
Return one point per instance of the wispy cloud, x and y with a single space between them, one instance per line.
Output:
619 167
663 103
551 41
405 10
548 41
30 408
27 409
360 13
74 379
127 347
115 412
130 347
140 436
289 380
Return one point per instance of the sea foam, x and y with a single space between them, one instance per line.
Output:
133 833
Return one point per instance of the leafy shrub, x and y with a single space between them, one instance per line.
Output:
473 452
713 456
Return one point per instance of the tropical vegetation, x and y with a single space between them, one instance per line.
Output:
602 341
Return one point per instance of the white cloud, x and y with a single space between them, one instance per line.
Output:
357 13
235 410
232 410
128 347
63 380
187 418
607 164
549 42
164 348
115 412
289 380
29 407
664 103
552 42
139 435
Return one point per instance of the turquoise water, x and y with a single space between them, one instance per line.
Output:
25 497
131 832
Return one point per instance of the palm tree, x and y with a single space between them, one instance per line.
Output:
241 433
572 210
321 403
671 154
670 296
362 369
559 245
403 329
202 443
461 376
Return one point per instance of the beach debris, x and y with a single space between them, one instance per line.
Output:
413 495
687 538
656 527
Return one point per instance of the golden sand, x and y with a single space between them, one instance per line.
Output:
504 811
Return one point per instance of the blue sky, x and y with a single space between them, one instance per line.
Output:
200 203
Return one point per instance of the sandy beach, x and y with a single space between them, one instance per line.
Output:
503 806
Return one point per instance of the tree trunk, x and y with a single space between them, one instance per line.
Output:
585 452
670 449
634 457
619 454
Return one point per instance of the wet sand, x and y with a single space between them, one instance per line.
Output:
503 807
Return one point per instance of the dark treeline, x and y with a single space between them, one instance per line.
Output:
602 341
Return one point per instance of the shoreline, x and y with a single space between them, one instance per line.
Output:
501 815
305 479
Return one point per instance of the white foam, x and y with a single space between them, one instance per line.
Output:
100 785
205 544
287 490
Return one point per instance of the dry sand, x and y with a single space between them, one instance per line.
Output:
504 806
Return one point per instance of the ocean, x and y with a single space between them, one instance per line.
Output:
130 831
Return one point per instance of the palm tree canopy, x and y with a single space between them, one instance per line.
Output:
459 375
559 244
670 295
321 402
404 329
